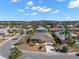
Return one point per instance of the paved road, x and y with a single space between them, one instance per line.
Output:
48 56
5 48
4 51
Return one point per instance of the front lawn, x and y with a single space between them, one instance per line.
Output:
75 48
29 47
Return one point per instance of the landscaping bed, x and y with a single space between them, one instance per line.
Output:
30 47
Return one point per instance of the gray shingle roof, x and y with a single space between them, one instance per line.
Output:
41 28
44 36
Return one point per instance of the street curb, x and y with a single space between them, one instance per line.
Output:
48 53
7 40
4 43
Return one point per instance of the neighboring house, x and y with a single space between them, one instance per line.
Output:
61 36
3 31
41 29
1 27
42 34
70 26
30 29
74 29
55 29
29 26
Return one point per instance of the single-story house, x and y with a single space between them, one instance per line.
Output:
74 29
55 29
29 26
46 37
2 33
41 29
61 36
70 26
30 29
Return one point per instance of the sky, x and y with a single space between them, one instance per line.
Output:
34 10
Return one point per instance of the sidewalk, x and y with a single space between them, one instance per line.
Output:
50 53
8 39
72 53
2 57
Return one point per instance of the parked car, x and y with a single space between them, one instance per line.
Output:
77 54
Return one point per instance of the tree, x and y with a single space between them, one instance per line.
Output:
15 53
68 36
64 49
9 31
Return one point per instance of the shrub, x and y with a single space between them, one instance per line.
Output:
15 53
64 49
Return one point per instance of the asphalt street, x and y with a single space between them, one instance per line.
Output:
5 49
46 56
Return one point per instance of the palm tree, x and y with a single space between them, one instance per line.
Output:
15 53
68 36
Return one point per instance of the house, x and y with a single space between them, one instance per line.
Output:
29 26
30 29
70 26
41 29
74 29
55 29
45 37
42 34
3 31
61 36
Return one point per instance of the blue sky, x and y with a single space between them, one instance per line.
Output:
27 10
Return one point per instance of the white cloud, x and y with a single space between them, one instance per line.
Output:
34 13
20 10
73 4
44 9
41 9
35 7
56 11
26 7
14 1
30 3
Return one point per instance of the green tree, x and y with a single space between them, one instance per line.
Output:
68 36
64 49
15 53
9 31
